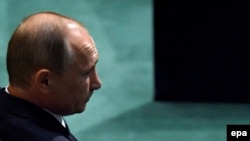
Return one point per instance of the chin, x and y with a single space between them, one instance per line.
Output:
80 110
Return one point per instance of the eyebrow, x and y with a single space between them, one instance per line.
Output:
89 69
96 61
94 65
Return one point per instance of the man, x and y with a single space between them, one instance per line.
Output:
51 63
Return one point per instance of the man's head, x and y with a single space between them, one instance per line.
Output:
52 59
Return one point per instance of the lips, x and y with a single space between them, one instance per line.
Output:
86 100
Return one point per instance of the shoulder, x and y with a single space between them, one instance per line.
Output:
13 127
60 138
24 129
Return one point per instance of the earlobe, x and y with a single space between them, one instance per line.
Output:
42 79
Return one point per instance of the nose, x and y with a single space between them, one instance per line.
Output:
95 82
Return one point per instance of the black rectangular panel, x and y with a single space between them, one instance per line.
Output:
202 51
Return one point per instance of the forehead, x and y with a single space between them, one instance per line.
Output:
86 56
79 36
82 44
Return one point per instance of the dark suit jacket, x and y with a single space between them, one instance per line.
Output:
23 121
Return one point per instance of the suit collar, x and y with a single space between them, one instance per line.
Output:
30 111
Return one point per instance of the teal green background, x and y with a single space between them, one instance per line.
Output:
122 31
123 109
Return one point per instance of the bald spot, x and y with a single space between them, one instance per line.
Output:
48 21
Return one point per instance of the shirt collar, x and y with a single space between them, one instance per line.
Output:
58 117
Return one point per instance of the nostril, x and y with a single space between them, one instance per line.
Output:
96 85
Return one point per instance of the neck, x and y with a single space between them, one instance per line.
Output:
20 93
26 94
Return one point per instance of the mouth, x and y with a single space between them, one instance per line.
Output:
89 97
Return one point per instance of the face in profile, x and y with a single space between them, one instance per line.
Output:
72 90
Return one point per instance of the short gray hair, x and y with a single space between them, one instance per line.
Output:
45 46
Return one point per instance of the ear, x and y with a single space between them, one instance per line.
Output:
42 77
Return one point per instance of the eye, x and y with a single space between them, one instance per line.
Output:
89 71
86 73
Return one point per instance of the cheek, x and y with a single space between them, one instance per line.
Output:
81 86
84 82
76 88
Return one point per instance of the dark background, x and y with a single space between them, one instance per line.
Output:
202 51
123 109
